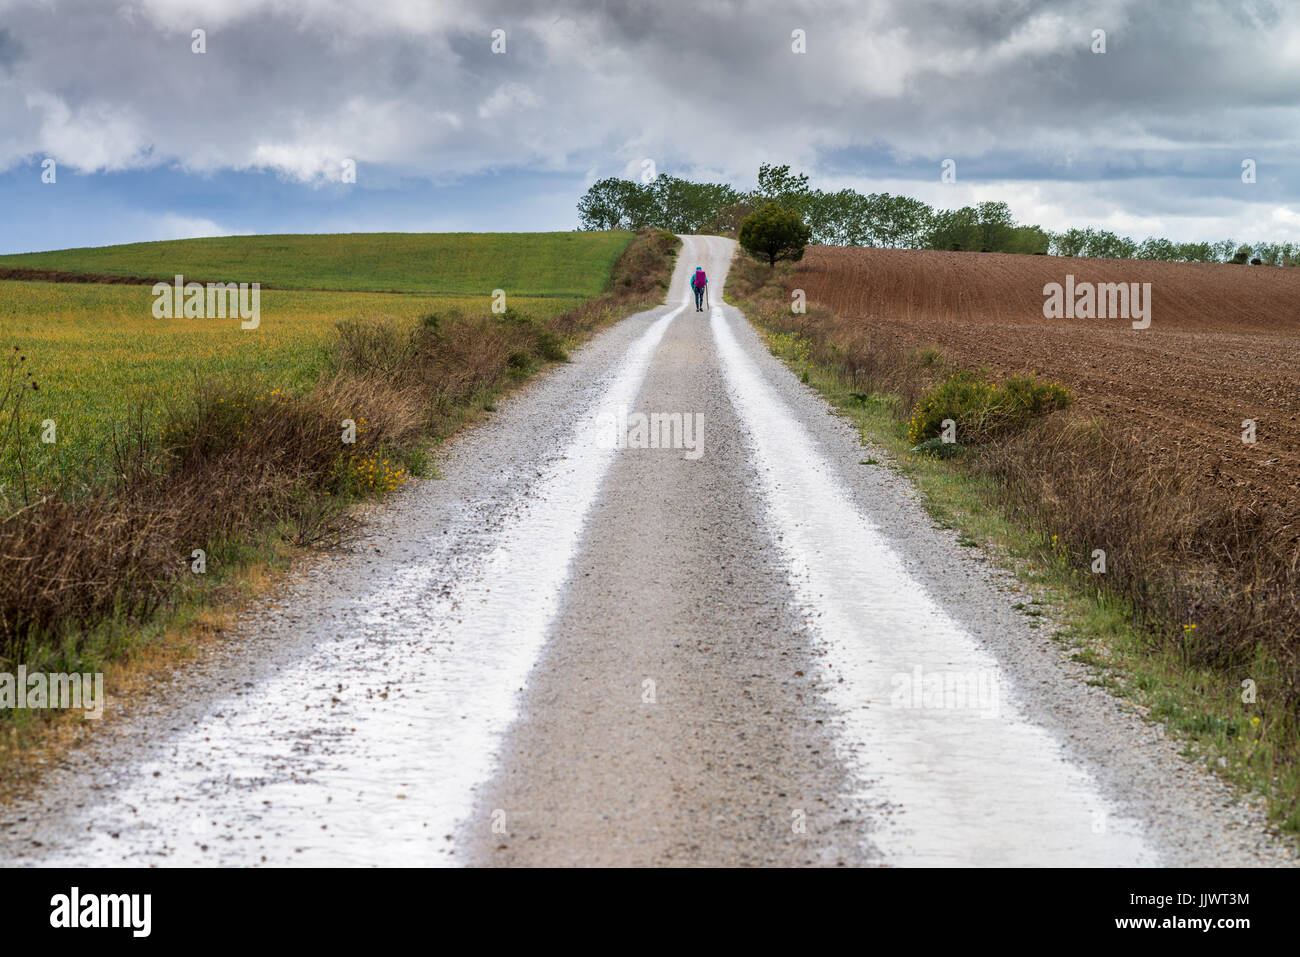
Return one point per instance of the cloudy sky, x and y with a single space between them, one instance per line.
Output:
151 140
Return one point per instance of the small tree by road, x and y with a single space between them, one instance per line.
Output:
774 234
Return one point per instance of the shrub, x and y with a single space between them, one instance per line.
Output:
982 410
549 346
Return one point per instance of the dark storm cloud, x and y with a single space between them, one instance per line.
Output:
9 50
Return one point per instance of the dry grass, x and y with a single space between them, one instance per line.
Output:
1218 584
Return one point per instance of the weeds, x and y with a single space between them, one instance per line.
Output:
18 381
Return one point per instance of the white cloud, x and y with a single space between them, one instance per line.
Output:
178 226
95 137
508 98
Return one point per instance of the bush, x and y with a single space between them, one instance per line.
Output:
549 346
982 410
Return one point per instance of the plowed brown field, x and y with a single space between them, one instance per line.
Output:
1223 346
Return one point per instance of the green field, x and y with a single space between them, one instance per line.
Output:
537 265
99 356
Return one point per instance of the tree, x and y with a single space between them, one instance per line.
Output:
848 218
727 220
1196 253
1224 249
1028 240
775 183
709 199
774 234
839 219
682 206
616 204
1103 244
996 226
953 229
1269 254
1161 250
1068 243
899 222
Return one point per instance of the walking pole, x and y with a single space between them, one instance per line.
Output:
706 298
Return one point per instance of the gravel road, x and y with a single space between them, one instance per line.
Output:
742 646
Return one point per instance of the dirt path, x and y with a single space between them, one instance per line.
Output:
568 653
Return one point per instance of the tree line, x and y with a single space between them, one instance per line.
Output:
849 218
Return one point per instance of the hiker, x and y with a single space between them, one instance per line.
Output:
698 282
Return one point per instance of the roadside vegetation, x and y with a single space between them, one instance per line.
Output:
1178 603
973 411
101 359
240 463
